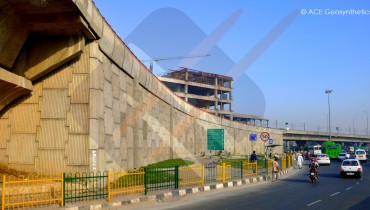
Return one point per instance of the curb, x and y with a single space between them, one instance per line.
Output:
178 192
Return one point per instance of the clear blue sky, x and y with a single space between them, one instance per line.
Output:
282 54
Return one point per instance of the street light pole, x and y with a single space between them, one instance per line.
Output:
367 123
353 125
328 92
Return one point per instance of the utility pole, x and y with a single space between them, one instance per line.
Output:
367 123
328 92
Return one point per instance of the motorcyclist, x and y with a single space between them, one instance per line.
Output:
314 166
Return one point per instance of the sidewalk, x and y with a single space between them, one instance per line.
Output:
123 200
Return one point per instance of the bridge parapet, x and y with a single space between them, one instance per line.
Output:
298 135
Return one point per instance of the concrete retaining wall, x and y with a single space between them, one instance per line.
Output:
102 109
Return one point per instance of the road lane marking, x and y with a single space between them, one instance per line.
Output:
313 203
349 188
334 193
357 182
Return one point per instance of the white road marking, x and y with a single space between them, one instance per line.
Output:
334 193
313 203
349 188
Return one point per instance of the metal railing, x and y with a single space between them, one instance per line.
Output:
121 182
84 186
161 178
31 191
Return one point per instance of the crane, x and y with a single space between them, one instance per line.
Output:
171 58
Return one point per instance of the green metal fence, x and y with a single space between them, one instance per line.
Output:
161 178
85 186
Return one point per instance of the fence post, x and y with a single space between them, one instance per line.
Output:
241 169
108 185
145 181
223 172
3 194
176 177
203 175
64 190
61 183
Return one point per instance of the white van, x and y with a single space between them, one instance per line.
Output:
361 155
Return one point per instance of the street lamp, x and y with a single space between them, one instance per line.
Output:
367 123
328 92
353 125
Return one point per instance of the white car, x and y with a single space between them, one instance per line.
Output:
323 159
361 155
342 156
351 167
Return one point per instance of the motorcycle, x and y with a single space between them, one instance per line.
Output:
313 176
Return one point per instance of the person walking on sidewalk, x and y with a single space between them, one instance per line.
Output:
253 157
275 170
299 161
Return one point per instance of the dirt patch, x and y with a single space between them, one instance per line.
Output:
4 170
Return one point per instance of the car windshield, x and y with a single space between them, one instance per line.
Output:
350 163
360 152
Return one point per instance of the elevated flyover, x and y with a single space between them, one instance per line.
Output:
301 137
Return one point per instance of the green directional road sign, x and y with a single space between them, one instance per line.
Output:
215 139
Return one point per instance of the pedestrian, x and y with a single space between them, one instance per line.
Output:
307 155
299 161
253 157
275 170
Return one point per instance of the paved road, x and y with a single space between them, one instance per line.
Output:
292 192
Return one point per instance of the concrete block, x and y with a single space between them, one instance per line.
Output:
127 62
108 121
94 134
108 94
118 51
106 42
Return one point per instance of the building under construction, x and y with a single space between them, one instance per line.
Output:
210 92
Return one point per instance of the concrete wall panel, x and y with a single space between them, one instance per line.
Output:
76 151
96 74
79 88
54 103
115 84
108 94
22 149
78 119
106 43
59 78
94 134
118 52
127 62
5 132
52 134
24 118
51 162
